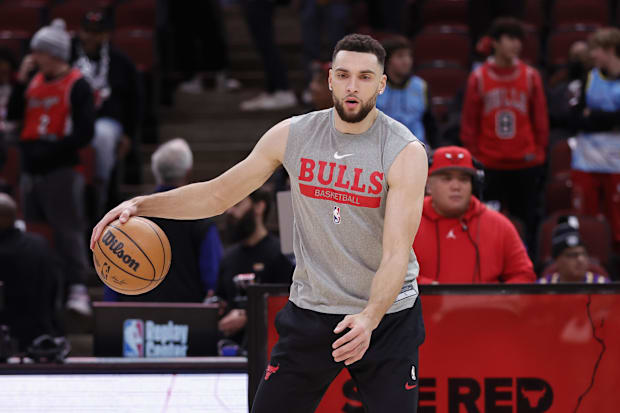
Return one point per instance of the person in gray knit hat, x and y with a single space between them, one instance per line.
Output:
55 104
53 40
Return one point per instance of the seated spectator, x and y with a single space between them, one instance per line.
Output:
254 258
319 89
460 240
114 80
406 97
595 161
31 277
195 244
571 258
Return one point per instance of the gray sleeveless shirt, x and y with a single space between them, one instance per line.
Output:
339 190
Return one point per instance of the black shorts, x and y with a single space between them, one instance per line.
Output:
302 366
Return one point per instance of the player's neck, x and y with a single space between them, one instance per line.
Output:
358 127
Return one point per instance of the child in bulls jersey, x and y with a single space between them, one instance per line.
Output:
505 125
57 113
357 182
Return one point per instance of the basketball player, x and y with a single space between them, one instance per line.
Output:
357 178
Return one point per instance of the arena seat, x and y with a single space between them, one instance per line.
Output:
442 43
21 17
535 13
558 193
43 229
531 46
560 158
443 80
135 14
15 42
585 12
138 44
445 12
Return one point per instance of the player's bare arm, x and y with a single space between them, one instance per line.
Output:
406 180
210 198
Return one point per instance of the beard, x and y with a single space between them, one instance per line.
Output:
242 228
365 109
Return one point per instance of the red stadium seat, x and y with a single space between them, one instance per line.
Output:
558 194
595 233
560 159
534 13
135 13
445 12
444 43
20 17
16 42
560 42
139 45
586 12
530 53
443 81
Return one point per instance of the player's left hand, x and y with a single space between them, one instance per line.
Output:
352 346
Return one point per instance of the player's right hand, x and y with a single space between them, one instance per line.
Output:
123 211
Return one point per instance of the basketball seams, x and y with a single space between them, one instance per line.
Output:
137 246
165 267
119 267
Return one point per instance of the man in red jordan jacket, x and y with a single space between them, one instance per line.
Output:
460 240
505 125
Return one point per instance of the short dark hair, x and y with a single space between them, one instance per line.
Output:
606 38
393 44
264 195
507 26
360 43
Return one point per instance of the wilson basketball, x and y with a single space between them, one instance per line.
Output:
134 257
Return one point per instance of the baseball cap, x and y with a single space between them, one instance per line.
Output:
565 235
452 157
96 21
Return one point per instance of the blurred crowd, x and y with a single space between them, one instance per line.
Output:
518 104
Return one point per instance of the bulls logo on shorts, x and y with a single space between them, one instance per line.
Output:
336 215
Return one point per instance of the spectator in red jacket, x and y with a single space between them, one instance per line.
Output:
460 240
505 125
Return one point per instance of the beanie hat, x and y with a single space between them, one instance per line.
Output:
53 40
565 235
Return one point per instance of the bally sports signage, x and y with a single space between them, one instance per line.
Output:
498 349
155 329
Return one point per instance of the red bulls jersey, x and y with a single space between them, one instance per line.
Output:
48 107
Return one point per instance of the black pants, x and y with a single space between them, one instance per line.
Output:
302 367
259 17
519 191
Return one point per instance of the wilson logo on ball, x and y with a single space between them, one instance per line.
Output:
116 247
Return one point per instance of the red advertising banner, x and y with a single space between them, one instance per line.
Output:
507 353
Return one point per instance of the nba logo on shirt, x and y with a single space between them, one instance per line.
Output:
336 215
133 338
